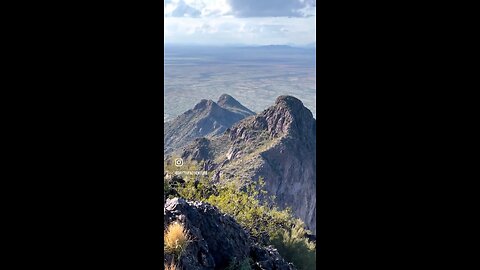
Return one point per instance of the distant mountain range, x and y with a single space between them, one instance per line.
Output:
278 144
273 46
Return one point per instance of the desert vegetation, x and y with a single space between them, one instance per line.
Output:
170 266
240 265
175 239
268 224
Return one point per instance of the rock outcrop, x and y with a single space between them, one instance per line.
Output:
278 144
206 119
217 239
228 102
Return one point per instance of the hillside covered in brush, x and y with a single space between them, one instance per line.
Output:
219 226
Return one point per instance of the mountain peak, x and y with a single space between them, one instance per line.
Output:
289 115
289 101
228 102
225 97
203 104
292 106
207 118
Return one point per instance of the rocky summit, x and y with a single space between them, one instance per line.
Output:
207 118
278 144
216 239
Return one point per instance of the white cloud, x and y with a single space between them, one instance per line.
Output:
271 8
240 21
239 8
197 8
220 30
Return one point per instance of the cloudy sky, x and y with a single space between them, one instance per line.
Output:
249 22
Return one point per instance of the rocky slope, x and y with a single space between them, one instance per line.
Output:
217 239
207 118
278 144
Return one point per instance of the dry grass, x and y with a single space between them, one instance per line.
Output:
171 266
175 239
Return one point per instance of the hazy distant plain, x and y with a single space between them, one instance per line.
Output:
255 76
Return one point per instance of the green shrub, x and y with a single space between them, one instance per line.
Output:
294 247
166 187
259 219
242 265
264 220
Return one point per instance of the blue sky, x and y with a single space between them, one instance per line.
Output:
248 22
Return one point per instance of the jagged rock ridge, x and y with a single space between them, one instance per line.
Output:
207 118
278 144
218 239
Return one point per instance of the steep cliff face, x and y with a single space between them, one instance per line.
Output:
207 118
217 239
278 144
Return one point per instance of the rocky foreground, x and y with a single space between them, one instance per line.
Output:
217 239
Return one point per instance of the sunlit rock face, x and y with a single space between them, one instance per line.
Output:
279 145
